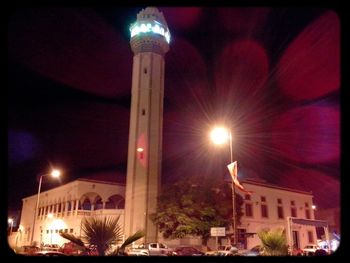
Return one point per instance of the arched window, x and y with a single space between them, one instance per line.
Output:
86 204
115 202
98 203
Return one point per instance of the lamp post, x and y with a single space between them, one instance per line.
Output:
54 173
10 221
219 136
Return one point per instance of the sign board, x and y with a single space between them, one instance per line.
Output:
217 231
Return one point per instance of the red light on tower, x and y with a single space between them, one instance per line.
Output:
140 151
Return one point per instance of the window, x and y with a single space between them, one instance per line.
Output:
143 111
264 210
248 210
71 230
145 70
307 214
47 231
247 197
263 199
310 236
280 212
66 230
279 201
56 231
293 209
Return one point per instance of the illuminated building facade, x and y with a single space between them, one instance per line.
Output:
63 208
269 207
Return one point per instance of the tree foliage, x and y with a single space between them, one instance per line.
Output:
191 208
102 233
274 242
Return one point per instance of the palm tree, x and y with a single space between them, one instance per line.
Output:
103 234
274 243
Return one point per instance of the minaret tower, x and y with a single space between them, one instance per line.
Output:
149 42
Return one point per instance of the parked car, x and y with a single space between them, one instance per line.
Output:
320 252
137 253
309 250
70 248
254 251
187 251
225 251
49 253
27 250
153 249
295 252
50 247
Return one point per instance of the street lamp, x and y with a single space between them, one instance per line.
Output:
220 136
10 221
55 174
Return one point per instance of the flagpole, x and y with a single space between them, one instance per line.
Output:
233 199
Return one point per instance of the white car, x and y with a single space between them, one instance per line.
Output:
138 253
223 251
153 249
309 250
227 250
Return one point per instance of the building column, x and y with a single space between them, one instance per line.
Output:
67 206
76 206
56 209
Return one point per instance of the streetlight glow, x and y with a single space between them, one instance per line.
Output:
56 173
220 135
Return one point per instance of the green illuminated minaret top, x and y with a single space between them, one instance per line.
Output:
150 32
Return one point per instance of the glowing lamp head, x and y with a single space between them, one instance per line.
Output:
56 173
313 207
219 135
10 220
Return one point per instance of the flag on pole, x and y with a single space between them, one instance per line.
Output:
232 167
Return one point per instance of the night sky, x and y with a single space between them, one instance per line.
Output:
273 74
